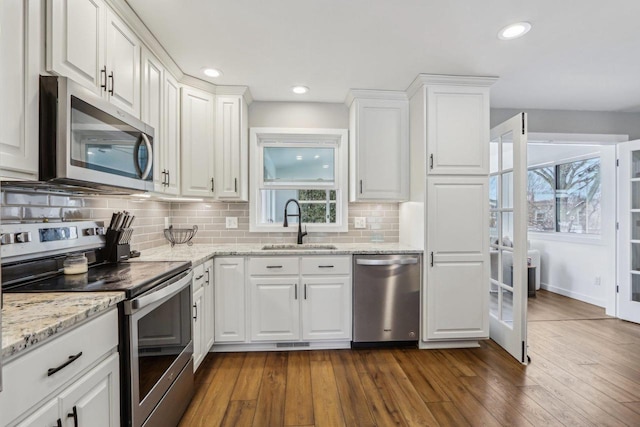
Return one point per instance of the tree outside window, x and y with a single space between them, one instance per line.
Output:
566 197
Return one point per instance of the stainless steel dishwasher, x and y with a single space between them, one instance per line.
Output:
386 298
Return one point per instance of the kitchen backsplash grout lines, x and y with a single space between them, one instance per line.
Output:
382 218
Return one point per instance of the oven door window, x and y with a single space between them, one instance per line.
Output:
101 142
163 334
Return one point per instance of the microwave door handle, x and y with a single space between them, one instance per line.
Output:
147 170
136 160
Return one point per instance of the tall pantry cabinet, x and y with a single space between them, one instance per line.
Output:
448 208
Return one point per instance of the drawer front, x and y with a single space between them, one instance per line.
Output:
25 379
314 265
199 276
273 266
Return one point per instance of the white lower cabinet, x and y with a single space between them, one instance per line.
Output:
229 300
300 298
275 308
326 308
76 375
202 311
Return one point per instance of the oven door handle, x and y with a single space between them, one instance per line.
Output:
161 294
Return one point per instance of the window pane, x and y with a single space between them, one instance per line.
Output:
317 206
507 190
578 197
493 192
541 198
298 164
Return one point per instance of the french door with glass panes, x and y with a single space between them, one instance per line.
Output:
628 296
508 236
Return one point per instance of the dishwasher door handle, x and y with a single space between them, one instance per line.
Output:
399 261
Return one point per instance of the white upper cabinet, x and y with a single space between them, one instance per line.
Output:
379 146
88 43
197 118
170 150
123 65
152 112
232 159
20 69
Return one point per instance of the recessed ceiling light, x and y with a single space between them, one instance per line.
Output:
298 157
317 156
514 31
212 72
300 90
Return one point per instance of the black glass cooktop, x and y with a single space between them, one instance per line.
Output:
133 278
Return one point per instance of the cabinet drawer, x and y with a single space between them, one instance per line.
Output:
326 265
199 276
273 266
25 379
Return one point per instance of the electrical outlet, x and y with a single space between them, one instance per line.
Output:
598 280
166 222
231 221
360 222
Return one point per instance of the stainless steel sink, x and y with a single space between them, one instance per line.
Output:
295 247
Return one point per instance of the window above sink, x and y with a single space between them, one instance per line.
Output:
309 165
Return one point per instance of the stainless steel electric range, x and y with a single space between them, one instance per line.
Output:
156 347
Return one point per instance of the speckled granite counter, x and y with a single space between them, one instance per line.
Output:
200 252
28 319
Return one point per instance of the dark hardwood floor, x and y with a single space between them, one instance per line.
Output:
585 371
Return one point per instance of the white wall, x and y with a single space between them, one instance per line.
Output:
559 121
299 115
570 264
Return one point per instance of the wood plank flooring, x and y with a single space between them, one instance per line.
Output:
585 371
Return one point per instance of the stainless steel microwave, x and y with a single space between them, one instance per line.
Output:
87 142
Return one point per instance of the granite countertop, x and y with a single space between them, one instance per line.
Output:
30 318
198 253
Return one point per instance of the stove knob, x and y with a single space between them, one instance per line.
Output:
23 237
6 239
90 231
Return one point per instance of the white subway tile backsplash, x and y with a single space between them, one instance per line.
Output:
27 199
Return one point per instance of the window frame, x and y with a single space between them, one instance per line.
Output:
555 165
300 137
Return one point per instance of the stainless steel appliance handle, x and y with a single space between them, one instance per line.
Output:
399 261
136 160
163 293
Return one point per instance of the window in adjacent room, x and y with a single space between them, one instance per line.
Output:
565 197
309 165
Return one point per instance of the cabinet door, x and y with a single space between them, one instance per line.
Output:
231 147
380 130
456 297
458 130
326 308
123 65
274 309
20 70
76 41
46 415
94 399
229 300
208 306
198 332
152 80
197 143
171 135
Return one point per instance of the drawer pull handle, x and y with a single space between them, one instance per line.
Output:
58 423
195 316
274 266
71 359
74 415
325 266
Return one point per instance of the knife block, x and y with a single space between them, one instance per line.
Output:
116 252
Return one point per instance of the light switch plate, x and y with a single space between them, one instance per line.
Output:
231 221
360 222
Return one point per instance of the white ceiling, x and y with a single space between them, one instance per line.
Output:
579 55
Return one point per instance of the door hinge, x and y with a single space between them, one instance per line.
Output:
617 289
524 127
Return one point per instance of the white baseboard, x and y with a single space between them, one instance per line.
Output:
433 345
575 295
